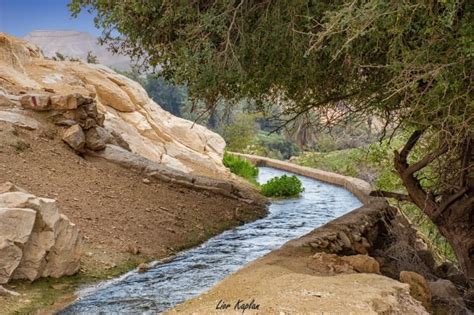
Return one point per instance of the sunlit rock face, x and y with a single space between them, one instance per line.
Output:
36 240
149 130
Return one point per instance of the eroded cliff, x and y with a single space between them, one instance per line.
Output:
149 130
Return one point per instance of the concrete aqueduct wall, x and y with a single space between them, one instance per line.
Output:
354 233
360 188
344 263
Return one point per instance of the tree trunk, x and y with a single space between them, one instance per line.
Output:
453 214
459 231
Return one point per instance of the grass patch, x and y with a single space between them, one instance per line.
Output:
46 291
283 186
241 167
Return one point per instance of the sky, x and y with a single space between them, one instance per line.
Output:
19 17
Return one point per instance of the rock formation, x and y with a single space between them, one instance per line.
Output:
35 239
108 107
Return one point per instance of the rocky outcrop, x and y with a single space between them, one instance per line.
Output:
161 172
35 239
95 96
104 114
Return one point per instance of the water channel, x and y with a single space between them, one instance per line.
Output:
198 269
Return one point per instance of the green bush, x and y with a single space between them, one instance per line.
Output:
239 133
275 146
241 167
283 186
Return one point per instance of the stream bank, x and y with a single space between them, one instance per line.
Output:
117 209
367 249
193 271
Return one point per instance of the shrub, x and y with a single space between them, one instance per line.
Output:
241 167
239 133
283 186
275 146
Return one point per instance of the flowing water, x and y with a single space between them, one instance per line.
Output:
196 270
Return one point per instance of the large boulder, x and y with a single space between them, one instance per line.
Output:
119 104
35 239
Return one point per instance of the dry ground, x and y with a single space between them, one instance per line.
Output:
118 212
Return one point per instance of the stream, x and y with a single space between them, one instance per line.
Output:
196 270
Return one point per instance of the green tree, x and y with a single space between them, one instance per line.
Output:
409 62
167 95
240 132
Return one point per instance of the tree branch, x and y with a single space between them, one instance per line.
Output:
415 136
427 160
306 109
449 201
466 160
416 192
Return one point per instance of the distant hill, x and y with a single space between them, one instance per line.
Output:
76 44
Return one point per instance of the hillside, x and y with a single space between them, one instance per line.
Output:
123 106
138 182
75 44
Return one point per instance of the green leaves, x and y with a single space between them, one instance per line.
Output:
409 62
241 167
283 186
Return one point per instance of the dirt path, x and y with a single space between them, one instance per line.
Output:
121 214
